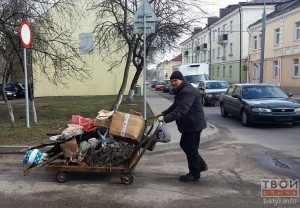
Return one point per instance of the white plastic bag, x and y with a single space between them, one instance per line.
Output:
162 134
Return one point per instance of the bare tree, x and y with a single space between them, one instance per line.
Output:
53 51
114 31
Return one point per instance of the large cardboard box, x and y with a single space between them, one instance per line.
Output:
104 118
128 126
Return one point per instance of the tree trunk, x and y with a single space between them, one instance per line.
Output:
11 113
34 112
118 100
133 83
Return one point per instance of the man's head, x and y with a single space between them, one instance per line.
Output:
176 79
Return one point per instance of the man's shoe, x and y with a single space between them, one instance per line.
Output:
188 177
204 168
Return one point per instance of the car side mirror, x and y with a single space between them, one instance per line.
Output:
237 96
289 94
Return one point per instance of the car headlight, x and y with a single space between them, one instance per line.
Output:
297 109
261 110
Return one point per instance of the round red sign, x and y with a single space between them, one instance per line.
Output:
25 34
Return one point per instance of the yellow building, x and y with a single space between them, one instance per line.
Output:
282 48
102 81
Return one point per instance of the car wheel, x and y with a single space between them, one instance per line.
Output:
223 111
244 118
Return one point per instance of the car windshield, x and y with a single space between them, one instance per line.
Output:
216 85
196 78
266 91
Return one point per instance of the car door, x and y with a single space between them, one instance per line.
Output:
236 101
227 99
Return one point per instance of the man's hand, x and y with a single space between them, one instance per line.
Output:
160 118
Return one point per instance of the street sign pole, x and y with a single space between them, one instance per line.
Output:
25 36
144 22
26 90
145 65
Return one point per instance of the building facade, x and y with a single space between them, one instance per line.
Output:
281 48
225 41
165 69
102 81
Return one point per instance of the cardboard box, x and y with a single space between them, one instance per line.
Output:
127 125
104 118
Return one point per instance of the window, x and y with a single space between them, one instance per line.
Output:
254 71
230 49
218 71
231 24
213 71
224 29
218 55
276 36
237 91
219 31
295 70
214 35
254 42
86 43
297 31
260 41
224 71
275 68
230 90
213 55
230 71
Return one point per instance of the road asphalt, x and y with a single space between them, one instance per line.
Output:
157 104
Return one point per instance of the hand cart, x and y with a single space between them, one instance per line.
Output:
56 163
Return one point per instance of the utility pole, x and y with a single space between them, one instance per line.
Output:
262 50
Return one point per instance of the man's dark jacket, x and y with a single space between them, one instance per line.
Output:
187 109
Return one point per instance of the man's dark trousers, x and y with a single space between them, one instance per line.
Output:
189 143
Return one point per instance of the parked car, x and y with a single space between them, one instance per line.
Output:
159 86
211 90
153 83
17 88
9 94
167 83
259 103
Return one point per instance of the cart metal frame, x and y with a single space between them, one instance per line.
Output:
124 169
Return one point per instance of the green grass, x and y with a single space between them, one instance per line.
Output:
54 114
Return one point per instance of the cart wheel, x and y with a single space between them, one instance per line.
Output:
61 177
127 179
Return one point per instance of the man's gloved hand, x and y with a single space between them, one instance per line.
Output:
160 118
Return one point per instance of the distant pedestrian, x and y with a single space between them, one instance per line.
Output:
188 113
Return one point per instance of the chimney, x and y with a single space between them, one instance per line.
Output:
211 20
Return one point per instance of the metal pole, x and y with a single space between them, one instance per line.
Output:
26 90
145 65
262 50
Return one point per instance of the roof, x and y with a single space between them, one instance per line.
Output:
280 9
177 58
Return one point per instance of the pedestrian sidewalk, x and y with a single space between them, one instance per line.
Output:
158 104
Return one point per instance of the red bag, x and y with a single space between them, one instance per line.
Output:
86 123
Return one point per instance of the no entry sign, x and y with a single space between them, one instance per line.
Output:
25 34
